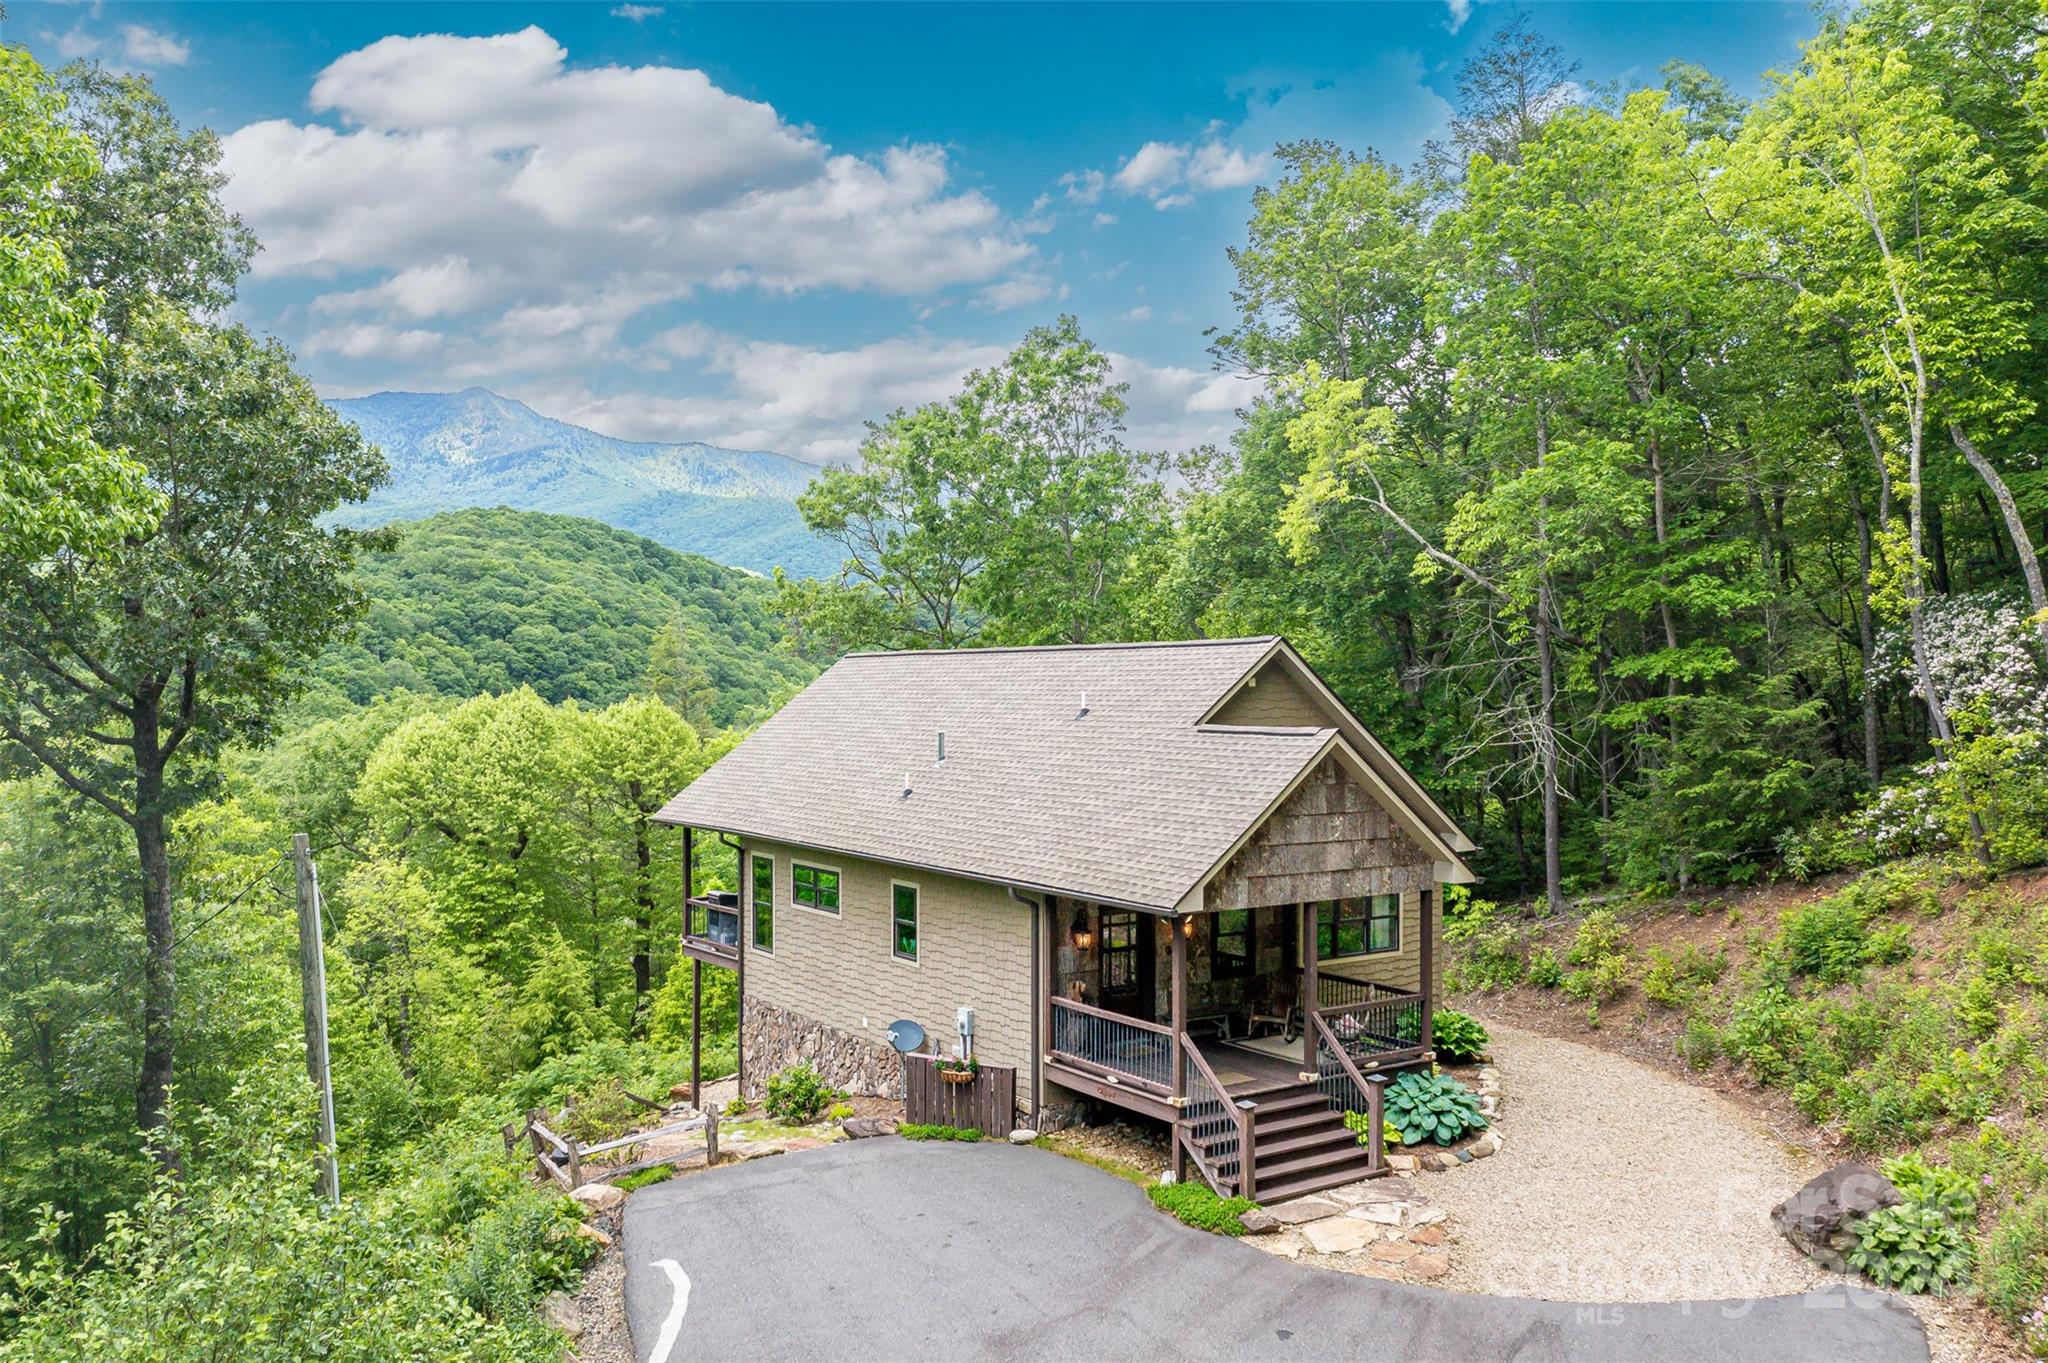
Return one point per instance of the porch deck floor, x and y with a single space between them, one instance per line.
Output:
1246 1071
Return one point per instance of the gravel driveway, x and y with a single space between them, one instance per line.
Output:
1618 1183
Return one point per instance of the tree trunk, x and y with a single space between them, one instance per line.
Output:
2030 563
1546 735
159 966
1866 631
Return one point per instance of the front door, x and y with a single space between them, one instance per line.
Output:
1127 984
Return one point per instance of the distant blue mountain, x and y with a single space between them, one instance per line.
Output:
476 449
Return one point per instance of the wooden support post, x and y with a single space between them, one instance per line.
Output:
511 1139
1428 990
313 1000
1247 1137
1179 929
696 1033
739 967
575 1163
1376 1112
1308 988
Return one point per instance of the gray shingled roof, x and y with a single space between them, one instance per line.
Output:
1131 803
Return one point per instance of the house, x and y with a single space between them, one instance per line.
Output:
1181 879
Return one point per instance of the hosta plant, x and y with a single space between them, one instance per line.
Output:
1914 1247
1432 1107
1459 1037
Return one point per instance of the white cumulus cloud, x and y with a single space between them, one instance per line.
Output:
1171 174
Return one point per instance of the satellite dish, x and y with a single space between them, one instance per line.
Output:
905 1035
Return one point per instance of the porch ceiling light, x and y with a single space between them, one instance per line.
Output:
1083 939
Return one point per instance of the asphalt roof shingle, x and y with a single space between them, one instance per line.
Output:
1131 802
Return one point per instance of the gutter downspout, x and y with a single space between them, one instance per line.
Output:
1037 908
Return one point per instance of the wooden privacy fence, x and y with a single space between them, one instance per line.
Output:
988 1103
564 1160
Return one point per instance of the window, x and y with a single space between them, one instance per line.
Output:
1358 927
1232 958
764 904
903 912
814 887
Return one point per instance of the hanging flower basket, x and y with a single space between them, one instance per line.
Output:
957 1076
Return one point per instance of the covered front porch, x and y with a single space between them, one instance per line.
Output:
1234 1026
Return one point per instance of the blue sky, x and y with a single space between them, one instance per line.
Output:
759 225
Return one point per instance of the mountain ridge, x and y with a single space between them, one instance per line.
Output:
477 448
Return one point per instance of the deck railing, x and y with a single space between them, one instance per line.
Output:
1215 1129
1339 1079
1117 1047
1378 1031
715 923
1337 990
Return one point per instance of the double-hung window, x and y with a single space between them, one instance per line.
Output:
1359 926
764 903
1231 958
903 921
814 887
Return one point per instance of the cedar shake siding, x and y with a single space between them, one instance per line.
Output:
1328 840
974 950
1273 699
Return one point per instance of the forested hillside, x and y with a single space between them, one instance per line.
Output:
471 602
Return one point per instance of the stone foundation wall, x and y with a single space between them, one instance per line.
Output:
771 1038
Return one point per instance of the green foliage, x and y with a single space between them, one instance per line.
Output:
2014 1271
1913 1247
1459 1037
1011 513
643 1178
1426 1107
1601 980
1200 1206
1600 934
1489 950
1359 1124
490 601
798 1094
59 487
1832 939
1674 979
928 1131
242 1260
1947 1190
1700 1044
1545 971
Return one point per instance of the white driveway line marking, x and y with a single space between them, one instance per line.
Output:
673 1326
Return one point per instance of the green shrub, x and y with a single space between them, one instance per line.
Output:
1544 970
1935 1185
2015 1269
927 1131
798 1095
1359 1124
1700 1044
1675 979
1486 952
1201 1206
518 1252
1913 1247
1888 945
1432 1107
1459 1037
839 1112
1600 934
1764 1033
1602 980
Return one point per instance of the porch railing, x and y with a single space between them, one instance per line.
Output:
1120 1048
1337 990
1378 1031
1215 1129
1339 1079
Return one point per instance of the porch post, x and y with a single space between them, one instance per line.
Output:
1179 929
1428 990
1308 988
696 974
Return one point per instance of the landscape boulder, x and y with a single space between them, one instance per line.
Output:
1258 1221
599 1197
858 1128
1820 1219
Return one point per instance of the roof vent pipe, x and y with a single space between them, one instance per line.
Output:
1084 704
906 785
942 745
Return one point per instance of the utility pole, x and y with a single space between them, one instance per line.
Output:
313 990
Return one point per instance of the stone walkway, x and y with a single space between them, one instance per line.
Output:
1619 1183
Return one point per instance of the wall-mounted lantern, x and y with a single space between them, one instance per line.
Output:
1083 938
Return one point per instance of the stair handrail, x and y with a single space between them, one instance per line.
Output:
1376 1147
1242 1115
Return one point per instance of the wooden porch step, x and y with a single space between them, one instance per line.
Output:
1270 1193
1338 1137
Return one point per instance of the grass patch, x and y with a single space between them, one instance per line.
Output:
640 1178
1200 1206
1130 1173
924 1131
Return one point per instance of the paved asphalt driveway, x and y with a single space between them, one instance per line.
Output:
882 1250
